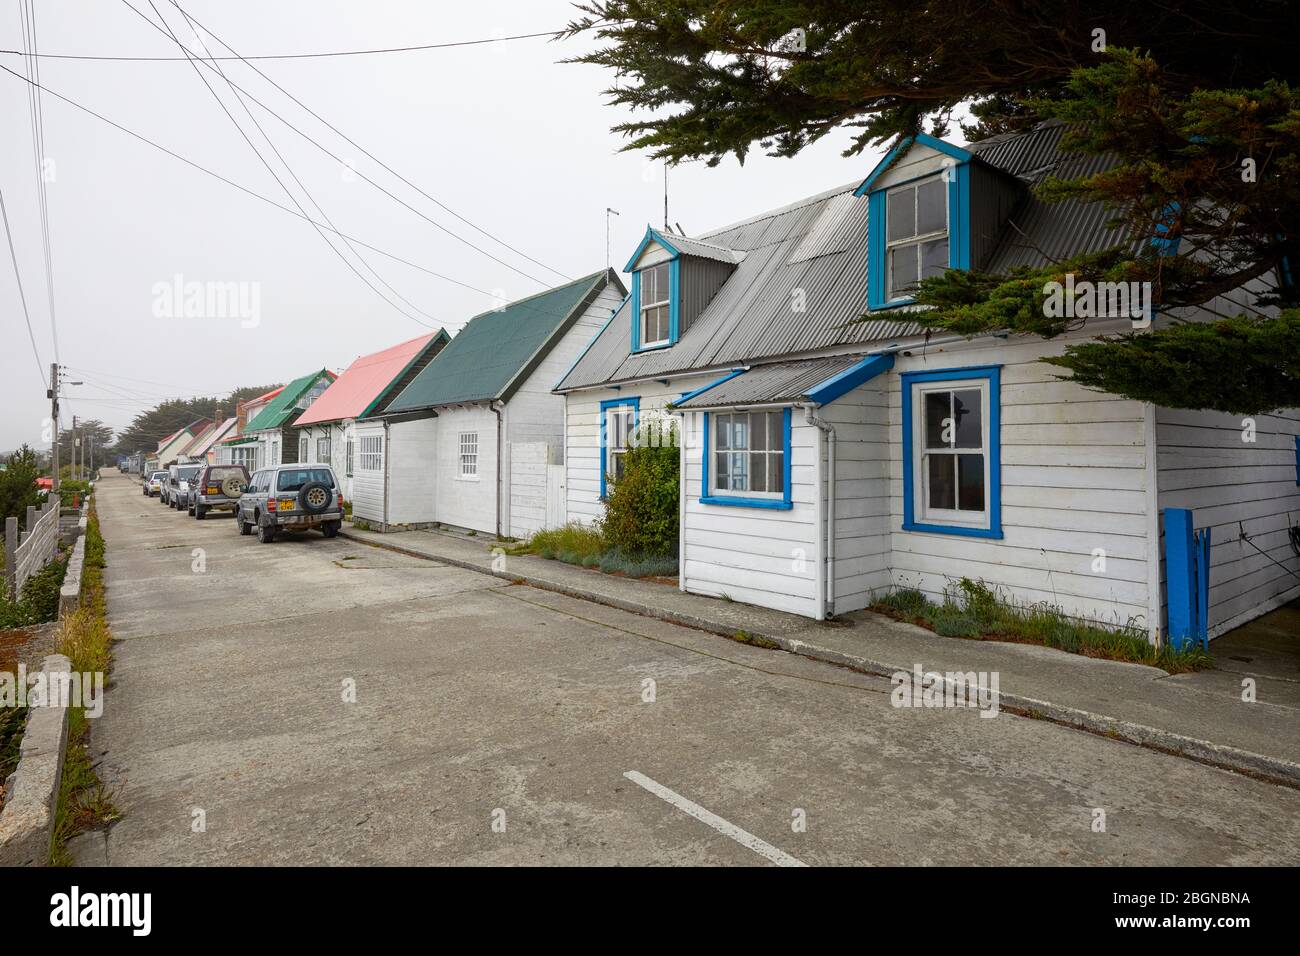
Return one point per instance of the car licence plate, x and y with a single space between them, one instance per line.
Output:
286 506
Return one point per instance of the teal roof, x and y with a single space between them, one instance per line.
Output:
485 361
284 406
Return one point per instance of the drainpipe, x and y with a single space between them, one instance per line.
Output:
810 416
496 408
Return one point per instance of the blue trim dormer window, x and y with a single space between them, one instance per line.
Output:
918 227
656 296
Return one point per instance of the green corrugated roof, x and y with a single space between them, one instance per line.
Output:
281 408
482 362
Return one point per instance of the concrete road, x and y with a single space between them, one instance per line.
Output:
499 725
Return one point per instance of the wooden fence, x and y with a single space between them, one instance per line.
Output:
28 552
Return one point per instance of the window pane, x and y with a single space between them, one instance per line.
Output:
776 430
970 430
758 431
901 217
722 427
902 271
776 476
934 258
739 471
740 431
931 207
936 413
617 470
970 482
942 490
721 479
758 472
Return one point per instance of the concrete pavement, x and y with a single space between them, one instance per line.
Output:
494 723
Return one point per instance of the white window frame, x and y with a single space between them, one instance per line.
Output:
371 453
720 426
665 303
467 456
915 239
922 510
304 446
350 450
323 455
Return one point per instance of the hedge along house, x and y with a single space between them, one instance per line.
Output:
831 452
272 428
326 432
476 439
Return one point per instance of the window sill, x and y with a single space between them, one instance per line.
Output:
956 529
653 348
891 304
465 478
777 504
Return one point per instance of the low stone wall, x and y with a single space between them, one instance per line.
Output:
70 593
27 818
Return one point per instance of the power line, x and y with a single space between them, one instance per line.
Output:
322 55
341 161
364 151
13 254
27 12
245 189
288 192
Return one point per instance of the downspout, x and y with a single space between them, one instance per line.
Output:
388 448
496 409
828 597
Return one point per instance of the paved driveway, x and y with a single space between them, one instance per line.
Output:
498 724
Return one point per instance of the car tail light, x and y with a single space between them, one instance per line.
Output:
271 504
340 501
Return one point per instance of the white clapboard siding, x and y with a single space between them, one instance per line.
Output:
413 493
529 467
463 501
733 565
1231 484
1073 480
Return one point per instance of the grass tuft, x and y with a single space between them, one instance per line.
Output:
972 609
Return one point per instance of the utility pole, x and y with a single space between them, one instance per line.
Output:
53 396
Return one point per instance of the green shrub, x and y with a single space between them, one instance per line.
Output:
638 566
39 601
642 508
73 490
569 543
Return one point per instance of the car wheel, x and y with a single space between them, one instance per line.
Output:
265 533
330 528
200 512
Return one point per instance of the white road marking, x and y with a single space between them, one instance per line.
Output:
743 837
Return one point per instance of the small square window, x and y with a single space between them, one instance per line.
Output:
468 454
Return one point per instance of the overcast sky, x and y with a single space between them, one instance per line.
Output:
503 134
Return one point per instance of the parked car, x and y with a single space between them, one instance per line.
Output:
177 489
217 488
153 484
290 498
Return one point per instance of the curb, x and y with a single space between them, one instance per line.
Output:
1273 769
27 818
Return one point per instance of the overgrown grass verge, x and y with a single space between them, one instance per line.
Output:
84 636
971 609
586 547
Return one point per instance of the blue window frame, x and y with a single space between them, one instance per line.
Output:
952 455
653 316
880 236
613 445
730 475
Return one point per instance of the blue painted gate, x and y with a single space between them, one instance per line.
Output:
1187 580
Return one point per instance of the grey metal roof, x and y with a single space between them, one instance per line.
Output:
703 250
778 382
819 246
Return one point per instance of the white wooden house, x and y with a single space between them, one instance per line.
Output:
476 440
326 432
832 452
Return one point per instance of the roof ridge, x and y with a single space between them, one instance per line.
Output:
788 207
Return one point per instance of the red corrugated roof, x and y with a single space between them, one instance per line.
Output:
362 382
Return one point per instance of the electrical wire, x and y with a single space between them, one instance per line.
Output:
13 254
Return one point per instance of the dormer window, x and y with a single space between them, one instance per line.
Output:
656 309
916 234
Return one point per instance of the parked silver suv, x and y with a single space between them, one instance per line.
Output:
290 498
176 489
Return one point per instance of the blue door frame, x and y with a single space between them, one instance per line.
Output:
1187 580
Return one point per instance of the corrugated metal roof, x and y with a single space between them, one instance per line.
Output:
484 360
815 252
704 250
281 408
365 381
212 436
775 383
